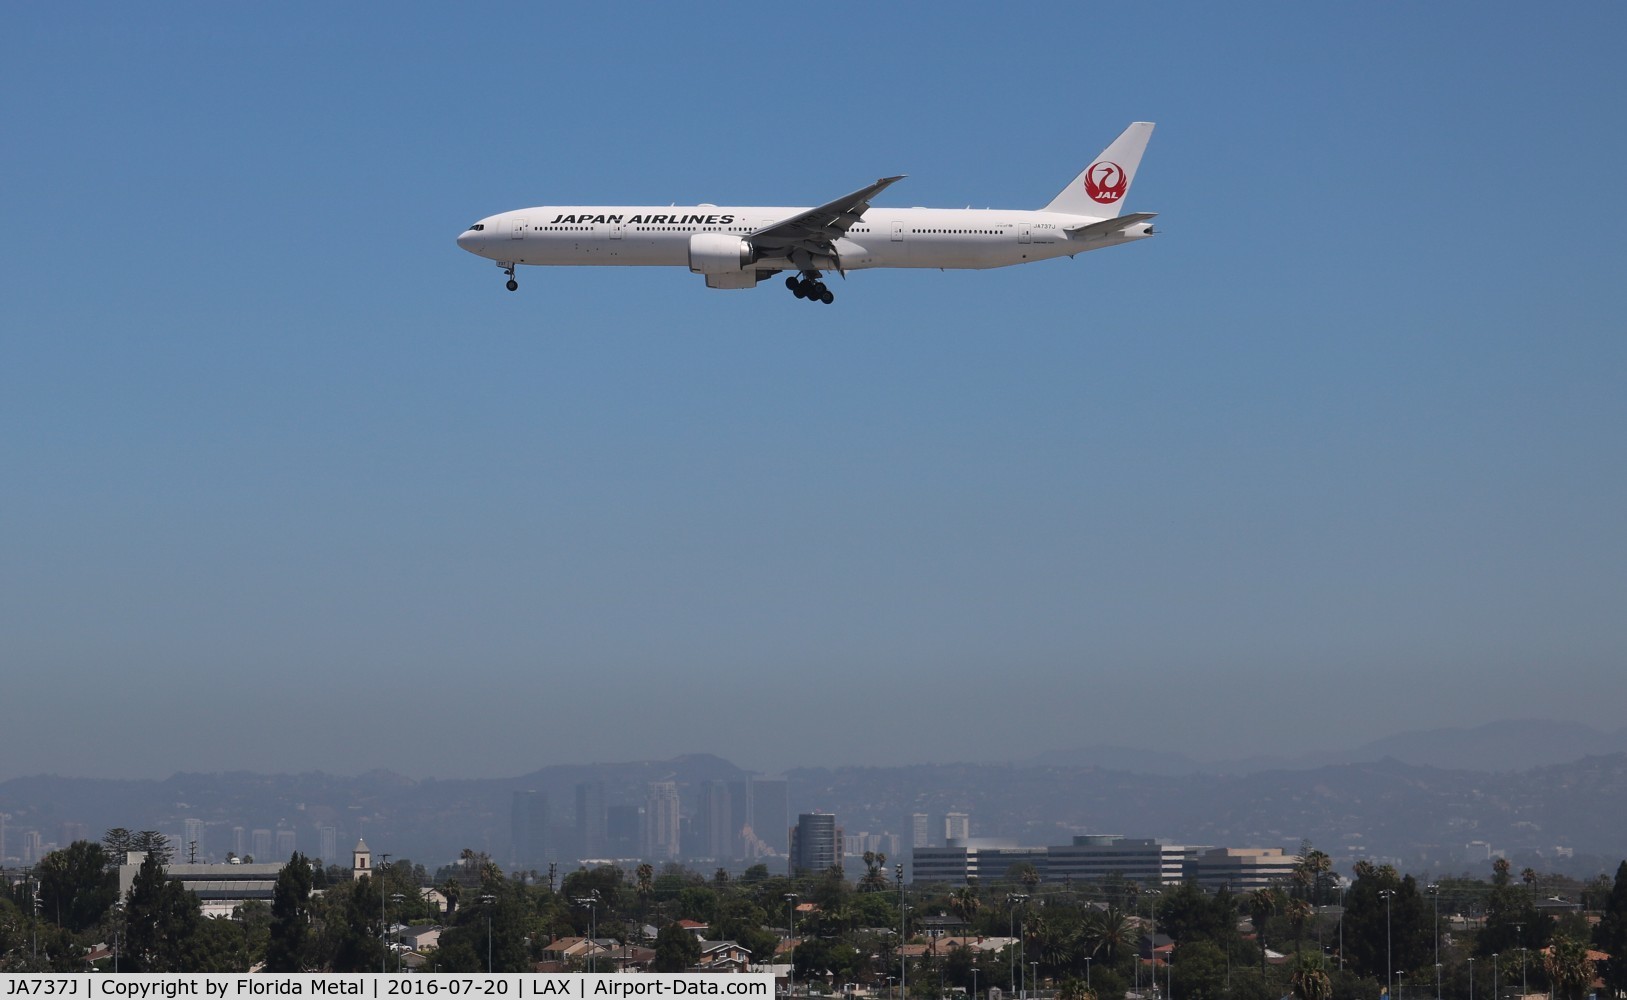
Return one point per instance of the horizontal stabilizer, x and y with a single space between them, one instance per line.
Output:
1108 227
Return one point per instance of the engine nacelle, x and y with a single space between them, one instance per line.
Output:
718 253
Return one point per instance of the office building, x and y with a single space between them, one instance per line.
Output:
592 838
957 826
528 830
815 843
661 830
984 860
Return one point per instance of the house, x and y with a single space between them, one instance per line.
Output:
722 956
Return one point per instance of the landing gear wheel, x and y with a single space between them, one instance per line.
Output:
791 282
827 296
799 291
508 269
512 285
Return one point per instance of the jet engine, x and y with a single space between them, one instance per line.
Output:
718 253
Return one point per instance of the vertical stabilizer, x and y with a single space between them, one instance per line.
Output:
1100 189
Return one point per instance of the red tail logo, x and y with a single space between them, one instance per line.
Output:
1105 182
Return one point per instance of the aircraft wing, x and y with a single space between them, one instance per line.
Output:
817 229
1107 227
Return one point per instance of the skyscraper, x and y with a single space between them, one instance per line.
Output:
920 830
661 822
714 834
285 845
624 829
771 813
591 835
528 830
260 845
816 843
957 826
329 841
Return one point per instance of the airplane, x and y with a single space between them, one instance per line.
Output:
739 247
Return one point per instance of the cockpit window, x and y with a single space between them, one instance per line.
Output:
477 227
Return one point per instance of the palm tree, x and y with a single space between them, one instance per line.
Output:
1568 967
1261 904
645 887
1107 934
1310 981
965 904
1298 912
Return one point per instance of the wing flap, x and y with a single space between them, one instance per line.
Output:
1107 227
817 228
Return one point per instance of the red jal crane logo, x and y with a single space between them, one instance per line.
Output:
1105 182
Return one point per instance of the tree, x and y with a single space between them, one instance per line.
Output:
1310 980
675 949
77 886
352 933
1611 934
1569 969
1261 904
161 918
288 948
1199 970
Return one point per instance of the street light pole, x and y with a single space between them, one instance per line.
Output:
1520 930
384 923
1435 896
1389 966
487 899
398 900
791 976
1012 900
903 931
1471 977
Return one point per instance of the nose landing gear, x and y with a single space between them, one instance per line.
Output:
508 269
809 287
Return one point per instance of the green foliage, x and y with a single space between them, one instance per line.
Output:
675 949
289 939
77 886
1199 970
1611 934
351 939
161 919
1188 914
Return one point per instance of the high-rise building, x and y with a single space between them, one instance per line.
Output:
33 846
260 845
714 831
286 842
528 830
192 840
920 830
592 838
816 843
624 830
771 816
328 839
72 833
957 826
240 846
3 855
661 822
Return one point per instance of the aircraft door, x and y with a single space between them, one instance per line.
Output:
1024 236
518 229
898 232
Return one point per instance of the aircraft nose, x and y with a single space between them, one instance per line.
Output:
469 240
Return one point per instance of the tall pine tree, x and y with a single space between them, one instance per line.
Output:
289 946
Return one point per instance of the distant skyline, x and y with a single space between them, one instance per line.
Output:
289 482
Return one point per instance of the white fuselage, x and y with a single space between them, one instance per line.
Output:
885 237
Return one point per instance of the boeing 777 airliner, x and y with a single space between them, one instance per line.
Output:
738 247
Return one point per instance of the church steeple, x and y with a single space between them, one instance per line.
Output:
361 860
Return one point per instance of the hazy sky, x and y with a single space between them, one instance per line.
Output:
288 481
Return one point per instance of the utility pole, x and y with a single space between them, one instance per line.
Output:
384 923
903 933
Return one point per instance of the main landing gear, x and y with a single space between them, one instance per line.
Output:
809 287
508 269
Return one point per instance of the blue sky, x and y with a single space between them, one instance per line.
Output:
290 482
